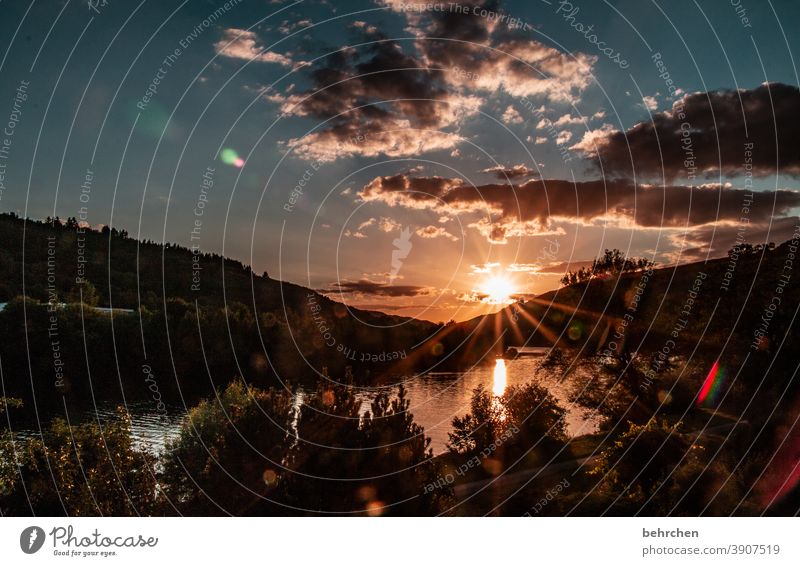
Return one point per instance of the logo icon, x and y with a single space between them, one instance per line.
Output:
403 247
31 540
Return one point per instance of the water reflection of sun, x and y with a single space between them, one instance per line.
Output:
500 377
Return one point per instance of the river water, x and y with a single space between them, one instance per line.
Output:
435 399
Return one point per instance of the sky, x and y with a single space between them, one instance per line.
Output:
419 158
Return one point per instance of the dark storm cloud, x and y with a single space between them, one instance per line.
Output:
717 240
381 71
406 98
381 100
528 208
708 131
366 287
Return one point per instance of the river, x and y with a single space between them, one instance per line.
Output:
435 399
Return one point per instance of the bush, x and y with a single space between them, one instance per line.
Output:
252 452
77 471
524 419
377 464
230 453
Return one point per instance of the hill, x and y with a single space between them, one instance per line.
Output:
192 320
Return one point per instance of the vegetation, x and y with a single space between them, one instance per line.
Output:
525 421
230 454
80 470
233 323
255 447
252 452
656 469
611 264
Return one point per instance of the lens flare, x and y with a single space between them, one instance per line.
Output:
712 385
229 157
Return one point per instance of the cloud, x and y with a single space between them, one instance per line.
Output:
359 231
243 44
705 133
388 225
529 208
511 172
485 55
383 224
560 267
716 240
592 138
431 232
400 99
391 138
488 267
367 287
511 116
563 137
379 100
569 120
288 26
650 103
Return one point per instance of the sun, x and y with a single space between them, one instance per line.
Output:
498 290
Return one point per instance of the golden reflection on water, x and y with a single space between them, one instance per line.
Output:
500 377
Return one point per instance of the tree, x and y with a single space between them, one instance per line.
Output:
230 454
638 462
611 263
525 420
85 293
78 471
378 463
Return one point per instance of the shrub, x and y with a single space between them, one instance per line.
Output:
78 471
230 453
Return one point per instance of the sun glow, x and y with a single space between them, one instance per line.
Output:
499 377
498 290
